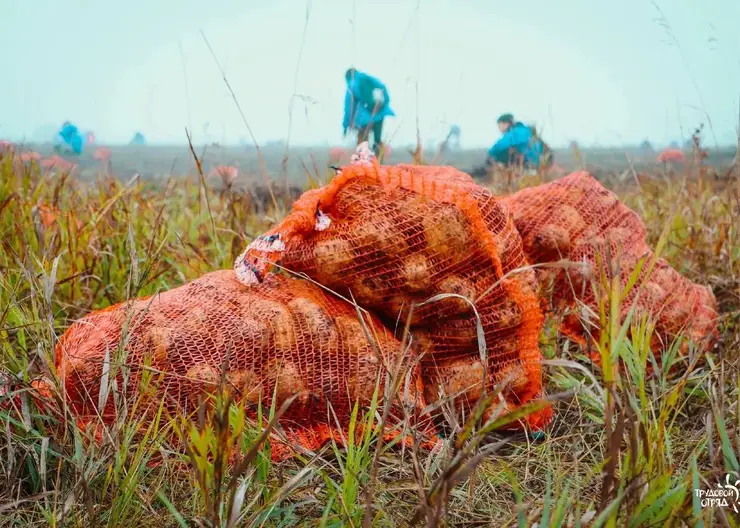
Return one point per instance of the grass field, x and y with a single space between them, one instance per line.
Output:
624 450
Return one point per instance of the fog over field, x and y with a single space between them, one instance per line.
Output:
605 75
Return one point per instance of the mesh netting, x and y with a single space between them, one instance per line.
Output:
392 237
280 337
412 244
578 220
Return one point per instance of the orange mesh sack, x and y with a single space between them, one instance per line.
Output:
281 337
578 220
395 236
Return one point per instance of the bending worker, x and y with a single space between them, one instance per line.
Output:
519 145
69 138
366 105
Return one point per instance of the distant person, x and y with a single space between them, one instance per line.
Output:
452 141
69 139
453 137
138 139
366 105
519 145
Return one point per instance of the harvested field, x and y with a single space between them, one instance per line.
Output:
627 445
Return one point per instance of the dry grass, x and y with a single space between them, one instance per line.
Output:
624 449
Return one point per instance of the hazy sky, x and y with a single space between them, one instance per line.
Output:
594 70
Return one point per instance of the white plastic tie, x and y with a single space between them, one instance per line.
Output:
266 245
322 221
244 271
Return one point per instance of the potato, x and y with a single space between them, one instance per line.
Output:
317 321
200 381
596 243
528 281
362 386
279 323
80 367
685 347
199 314
590 232
652 295
193 322
509 245
205 376
416 272
368 292
460 286
247 383
569 218
452 339
314 315
332 255
578 277
510 348
704 318
676 313
551 242
668 278
604 200
508 316
379 234
353 338
288 379
448 236
463 376
706 297
573 195
518 214
398 307
158 344
194 331
422 344
514 376
619 236
698 337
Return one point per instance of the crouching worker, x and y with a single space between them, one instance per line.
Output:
69 140
519 146
366 105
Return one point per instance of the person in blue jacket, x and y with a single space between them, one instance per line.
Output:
519 145
366 105
138 139
69 138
